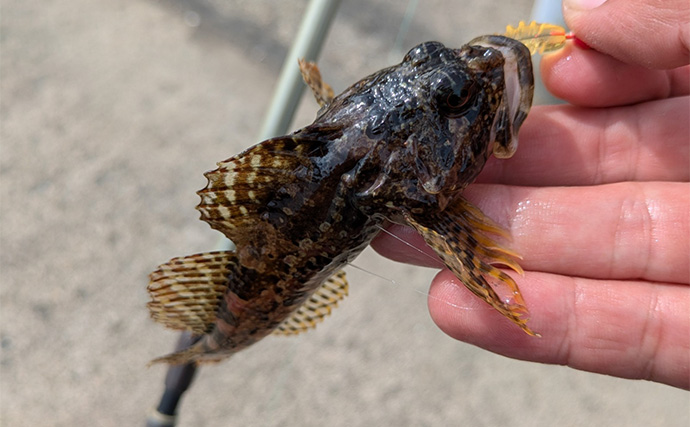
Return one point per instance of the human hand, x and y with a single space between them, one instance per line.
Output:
597 199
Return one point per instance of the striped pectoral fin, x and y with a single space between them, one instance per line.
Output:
317 307
185 292
240 192
462 236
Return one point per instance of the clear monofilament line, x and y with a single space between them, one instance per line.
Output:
396 283
406 243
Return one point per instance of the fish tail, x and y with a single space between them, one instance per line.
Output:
189 355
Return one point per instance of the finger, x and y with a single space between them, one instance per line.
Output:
618 231
650 33
626 329
593 79
404 244
564 145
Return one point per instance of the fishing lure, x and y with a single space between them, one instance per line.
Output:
542 37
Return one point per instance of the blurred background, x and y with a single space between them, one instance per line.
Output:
110 112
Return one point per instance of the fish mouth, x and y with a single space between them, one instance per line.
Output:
519 89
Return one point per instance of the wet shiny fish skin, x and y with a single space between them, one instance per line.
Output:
398 146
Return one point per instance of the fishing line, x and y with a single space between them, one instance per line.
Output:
392 281
398 284
400 239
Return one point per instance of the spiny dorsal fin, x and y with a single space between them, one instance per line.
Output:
317 307
240 189
311 75
185 292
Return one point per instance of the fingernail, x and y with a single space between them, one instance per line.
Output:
582 4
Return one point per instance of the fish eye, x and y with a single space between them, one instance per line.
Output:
454 98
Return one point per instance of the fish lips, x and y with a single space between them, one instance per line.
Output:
517 94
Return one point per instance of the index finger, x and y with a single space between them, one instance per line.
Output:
649 33
566 145
592 79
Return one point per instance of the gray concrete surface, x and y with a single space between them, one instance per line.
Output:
111 110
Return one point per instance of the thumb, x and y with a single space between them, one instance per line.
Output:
651 33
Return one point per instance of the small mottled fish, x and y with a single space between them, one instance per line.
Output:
397 146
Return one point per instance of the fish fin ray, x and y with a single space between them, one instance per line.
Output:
311 75
187 355
186 291
240 189
461 236
316 307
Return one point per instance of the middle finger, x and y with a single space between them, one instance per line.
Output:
619 231
566 145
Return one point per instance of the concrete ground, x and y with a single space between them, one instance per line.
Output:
111 111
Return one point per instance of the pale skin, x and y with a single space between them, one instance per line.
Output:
597 199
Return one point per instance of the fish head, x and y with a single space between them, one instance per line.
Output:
423 129
475 99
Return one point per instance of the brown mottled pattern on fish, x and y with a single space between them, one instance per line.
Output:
399 146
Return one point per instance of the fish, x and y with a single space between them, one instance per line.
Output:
398 146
